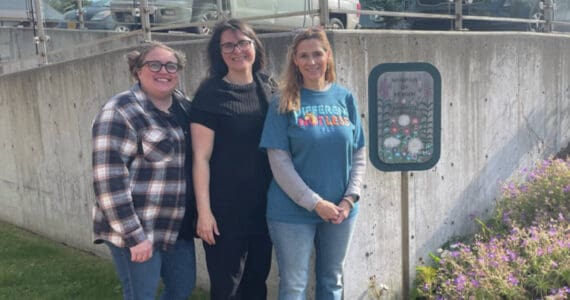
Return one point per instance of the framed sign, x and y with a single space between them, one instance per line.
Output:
404 106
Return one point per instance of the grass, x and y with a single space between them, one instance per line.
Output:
33 267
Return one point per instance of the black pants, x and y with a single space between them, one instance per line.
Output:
238 267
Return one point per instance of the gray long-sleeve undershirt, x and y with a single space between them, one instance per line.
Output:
293 185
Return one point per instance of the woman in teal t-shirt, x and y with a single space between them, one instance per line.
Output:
315 143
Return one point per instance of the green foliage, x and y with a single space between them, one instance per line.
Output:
425 275
32 267
521 253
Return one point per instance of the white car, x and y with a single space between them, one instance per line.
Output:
338 16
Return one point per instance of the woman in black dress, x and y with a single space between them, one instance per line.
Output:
231 175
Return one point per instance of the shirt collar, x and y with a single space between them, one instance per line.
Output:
144 101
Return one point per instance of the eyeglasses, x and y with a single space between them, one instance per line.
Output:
156 66
230 47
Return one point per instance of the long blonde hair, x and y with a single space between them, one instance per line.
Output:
292 80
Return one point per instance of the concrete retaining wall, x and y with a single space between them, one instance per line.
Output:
505 103
19 52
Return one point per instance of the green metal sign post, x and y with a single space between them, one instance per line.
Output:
404 105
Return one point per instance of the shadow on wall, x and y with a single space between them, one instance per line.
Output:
564 153
499 167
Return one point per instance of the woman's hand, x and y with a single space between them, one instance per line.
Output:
141 252
207 228
202 147
327 210
346 207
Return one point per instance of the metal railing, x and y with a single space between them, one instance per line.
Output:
146 28
458 17
324 12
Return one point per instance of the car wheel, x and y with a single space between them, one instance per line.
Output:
205 29
536 15
122 28
335 23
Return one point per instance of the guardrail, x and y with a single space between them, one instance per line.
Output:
146 28
546 24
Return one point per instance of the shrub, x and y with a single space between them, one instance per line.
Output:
541 195
521 253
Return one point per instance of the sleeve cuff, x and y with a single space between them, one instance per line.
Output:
136 237
309 202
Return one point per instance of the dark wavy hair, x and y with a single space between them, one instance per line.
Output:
218 67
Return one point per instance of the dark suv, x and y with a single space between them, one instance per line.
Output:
96 15
523 9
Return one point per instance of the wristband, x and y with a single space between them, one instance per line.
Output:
350 202
355 197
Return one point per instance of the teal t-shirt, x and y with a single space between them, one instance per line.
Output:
321 137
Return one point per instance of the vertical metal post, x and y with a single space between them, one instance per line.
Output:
405 220
145 20
548 15
79 4
41 38
324 12
220 9
458 15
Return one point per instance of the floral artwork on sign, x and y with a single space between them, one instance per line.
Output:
405 103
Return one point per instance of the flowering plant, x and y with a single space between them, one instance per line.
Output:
523 252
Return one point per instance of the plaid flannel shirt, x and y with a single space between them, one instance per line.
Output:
138 171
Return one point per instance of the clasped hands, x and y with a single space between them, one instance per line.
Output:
330 212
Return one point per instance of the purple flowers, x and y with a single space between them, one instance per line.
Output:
522 251
512 279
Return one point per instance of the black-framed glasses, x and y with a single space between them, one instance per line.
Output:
155 66
230 47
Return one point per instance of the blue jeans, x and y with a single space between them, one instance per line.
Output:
293 247
177 267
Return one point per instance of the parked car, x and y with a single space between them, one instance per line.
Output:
207 10
523 9
383 22
96 15
165 12
162 12
204 11
337 18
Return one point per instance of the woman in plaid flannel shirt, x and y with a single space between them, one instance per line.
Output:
140 165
